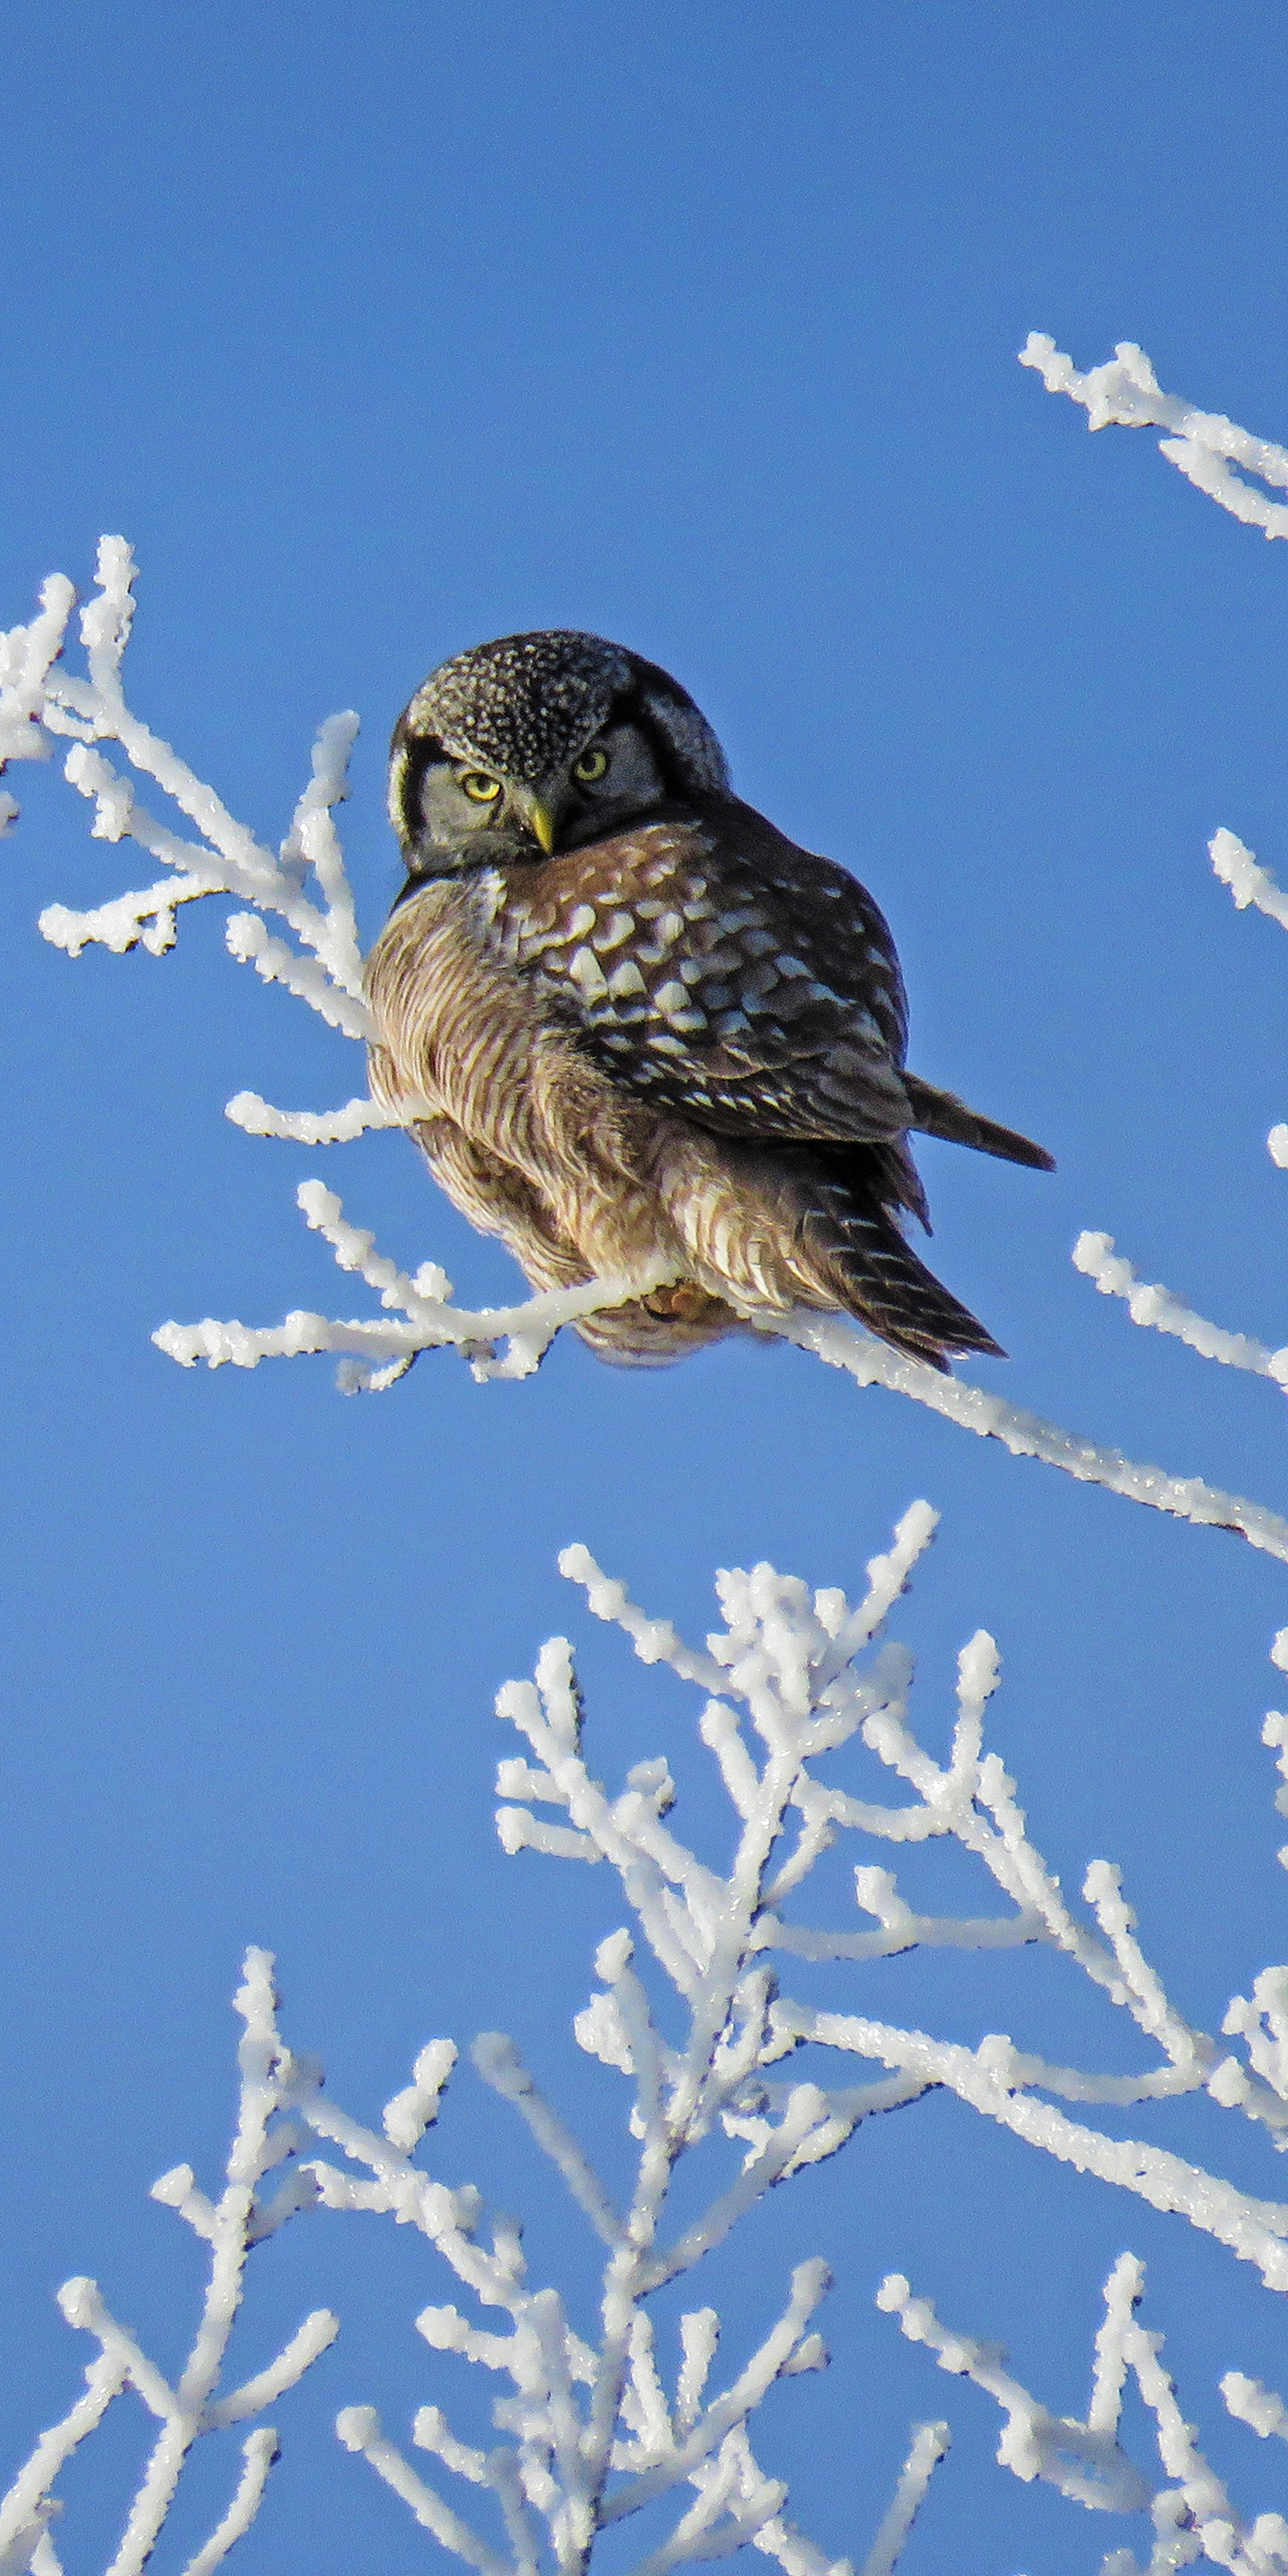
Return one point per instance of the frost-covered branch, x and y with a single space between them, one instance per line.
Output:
1252 884
1189 2505
929 2445
593 2436
1207 447
805 1710
774 1670
427 1320
1026 1435
789 1681
41 702
1096 1257
191 2405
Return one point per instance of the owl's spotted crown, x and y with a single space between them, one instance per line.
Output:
526 704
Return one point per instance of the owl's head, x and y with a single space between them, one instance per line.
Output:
539 743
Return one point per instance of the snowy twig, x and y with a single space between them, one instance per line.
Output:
1204 444
190 2406
788 1679
592 2432
593 2429
929 2445
41 701
1208 449
776 1656
1190 2507
1095 1256
1026 1435
385 1351
557 2469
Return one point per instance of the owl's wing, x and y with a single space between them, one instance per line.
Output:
715 968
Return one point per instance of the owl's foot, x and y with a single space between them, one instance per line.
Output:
662 1325
682 1303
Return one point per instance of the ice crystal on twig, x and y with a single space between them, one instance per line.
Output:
597 2431
700 2004
1217 456
192 2405
788 1664
41 702
1190 2507
1096 1257
1207 447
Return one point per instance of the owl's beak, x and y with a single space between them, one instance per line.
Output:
543 824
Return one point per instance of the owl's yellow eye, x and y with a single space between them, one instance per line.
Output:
592 765
480 787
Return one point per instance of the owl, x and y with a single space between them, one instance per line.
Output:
634 1028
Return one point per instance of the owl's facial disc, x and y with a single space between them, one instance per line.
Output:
470 816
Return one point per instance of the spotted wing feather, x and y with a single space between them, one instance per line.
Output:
718 970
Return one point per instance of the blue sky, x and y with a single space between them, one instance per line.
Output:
381 331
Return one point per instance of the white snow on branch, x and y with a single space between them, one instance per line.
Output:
387 1350
1249 883
1095 1256
1205 445
593 2435
790 1678
305 1126
929 2445
27 656
773 1672
800 1698
1250 2403
191 2405
40 701
1026 1435
1194 2519
382 1352
592 2431
259 2450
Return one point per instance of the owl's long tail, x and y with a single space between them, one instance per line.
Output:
859 1255
941 1113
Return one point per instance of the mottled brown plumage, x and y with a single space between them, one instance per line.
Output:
630 1023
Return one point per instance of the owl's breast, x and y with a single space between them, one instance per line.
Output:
456 1030
467 1040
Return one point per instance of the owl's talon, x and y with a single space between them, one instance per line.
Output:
682 1303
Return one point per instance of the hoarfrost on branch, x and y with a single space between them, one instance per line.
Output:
192 2406
1193 2515
597 2420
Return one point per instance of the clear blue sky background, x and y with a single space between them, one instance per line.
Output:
377 332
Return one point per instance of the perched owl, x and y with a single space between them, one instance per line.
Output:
631 1023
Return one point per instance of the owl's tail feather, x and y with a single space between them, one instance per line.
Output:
861 1256
941 1113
